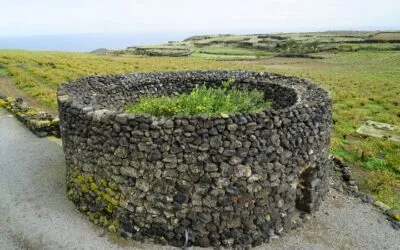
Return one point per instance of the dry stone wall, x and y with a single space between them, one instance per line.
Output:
202 180
40 123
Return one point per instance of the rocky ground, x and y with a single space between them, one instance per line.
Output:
35 213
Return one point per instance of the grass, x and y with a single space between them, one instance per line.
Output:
222 50
203 100
220 57
387 36
39 73
364 86
295 43
254 46
3 72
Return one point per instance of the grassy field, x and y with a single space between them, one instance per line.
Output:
364 86
254 46
233 47
223 50
39 73
387 36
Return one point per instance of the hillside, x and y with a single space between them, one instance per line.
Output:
256 46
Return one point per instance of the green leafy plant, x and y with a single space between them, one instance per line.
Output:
203 100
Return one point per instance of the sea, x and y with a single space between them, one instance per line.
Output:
87 42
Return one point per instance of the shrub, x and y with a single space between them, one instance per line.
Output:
203 100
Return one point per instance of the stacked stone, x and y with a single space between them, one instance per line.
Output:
208 180
40 123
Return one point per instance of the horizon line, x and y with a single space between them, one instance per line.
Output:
212 32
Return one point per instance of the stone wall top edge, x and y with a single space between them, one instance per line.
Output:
302 100
99 114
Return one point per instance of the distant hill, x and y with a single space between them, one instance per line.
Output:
254 46
99 51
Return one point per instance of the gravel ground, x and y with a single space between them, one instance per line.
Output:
35 213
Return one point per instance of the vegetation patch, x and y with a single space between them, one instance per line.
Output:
203 100
383 186
223 50
3 72
387 36
161 50
262 45
34 74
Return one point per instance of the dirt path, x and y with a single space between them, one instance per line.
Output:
35 213
9 88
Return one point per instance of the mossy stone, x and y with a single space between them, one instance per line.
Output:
44 123
394 213
112 228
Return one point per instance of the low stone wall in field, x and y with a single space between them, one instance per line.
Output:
236 180
40 123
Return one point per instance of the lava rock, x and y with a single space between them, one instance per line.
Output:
233 180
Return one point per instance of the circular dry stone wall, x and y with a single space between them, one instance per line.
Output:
236 180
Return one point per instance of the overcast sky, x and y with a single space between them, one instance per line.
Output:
29 17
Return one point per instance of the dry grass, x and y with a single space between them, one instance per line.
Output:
387 36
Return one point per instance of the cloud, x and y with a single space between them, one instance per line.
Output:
19 17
